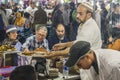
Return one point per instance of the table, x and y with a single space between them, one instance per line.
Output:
60 77
9 58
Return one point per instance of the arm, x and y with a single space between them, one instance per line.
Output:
57 53
62 45
61 53
26 45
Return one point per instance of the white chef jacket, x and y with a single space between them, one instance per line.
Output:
108 61
90 32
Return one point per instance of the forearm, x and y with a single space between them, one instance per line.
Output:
69 44
62 52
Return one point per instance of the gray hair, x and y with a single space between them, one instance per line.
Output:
41 26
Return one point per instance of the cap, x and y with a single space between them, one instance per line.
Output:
88 6
11 28
78 50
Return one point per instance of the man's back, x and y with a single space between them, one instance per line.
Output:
108 63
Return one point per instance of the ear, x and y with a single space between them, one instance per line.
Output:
89 14
87 56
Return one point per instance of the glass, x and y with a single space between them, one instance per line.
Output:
42 35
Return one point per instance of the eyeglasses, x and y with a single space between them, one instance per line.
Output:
42 35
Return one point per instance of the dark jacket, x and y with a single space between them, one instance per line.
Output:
57 18
40 17
54 40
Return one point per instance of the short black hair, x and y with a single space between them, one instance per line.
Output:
25 72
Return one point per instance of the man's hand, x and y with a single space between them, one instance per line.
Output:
59 46
26 50
49 55
110 39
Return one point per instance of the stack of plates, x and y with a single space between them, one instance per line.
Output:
53 72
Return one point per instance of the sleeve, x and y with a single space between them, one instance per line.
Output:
46 45
26 44
18 46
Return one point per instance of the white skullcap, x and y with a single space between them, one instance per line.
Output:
88 6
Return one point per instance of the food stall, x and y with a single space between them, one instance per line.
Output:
35 58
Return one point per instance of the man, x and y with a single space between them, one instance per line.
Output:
3 23
58 16
37 40
31 9
40 17
25 72
103 63
58 37
87 31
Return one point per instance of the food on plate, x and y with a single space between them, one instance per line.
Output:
28 53
41 49
7 48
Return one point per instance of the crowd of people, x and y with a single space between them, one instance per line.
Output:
78 31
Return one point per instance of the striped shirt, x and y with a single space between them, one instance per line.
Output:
32 43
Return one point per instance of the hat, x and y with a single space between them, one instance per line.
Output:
11 28
78 50
88 6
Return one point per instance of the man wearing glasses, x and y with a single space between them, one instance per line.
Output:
37 40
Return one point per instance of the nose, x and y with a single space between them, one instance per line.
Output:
77 15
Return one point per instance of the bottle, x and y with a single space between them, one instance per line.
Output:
33 63
65 69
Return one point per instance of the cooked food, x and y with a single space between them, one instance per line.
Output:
27 53
41 49
7 47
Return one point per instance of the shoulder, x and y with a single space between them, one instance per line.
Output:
45 41
108 55
30 39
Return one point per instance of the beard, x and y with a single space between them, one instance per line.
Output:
80 21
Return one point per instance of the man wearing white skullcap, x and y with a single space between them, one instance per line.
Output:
88 30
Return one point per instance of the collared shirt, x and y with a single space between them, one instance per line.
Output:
32 43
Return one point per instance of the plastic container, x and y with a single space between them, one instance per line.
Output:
65 69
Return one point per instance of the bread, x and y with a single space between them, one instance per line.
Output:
41 49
